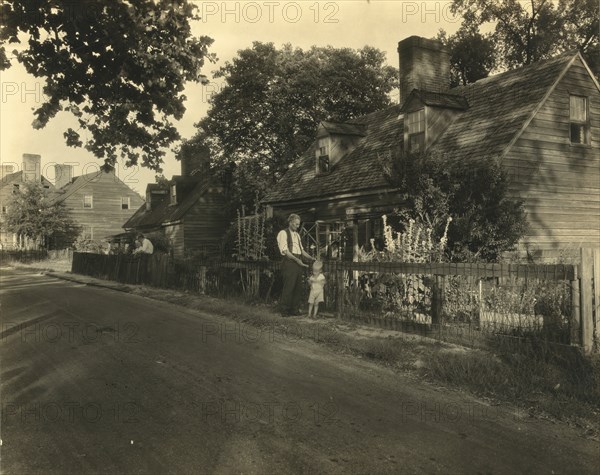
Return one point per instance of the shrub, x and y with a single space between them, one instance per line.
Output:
486 221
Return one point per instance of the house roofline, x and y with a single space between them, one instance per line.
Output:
541 104
372 191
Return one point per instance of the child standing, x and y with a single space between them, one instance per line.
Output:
317 282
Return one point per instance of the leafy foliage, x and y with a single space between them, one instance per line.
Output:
472 55
486 221
266 114
524 32
119 67
32 213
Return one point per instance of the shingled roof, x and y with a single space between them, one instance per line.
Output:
344 128
499 108
162 211
17 177
438 99
356 171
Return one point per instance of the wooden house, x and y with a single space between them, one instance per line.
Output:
99 202
541 122
188 210
11 181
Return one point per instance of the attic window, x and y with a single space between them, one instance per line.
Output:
125 202
88 201
323 156
415 128
579 120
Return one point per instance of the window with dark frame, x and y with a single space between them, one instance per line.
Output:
579 122
173 194
415 127
88 232
324 164
323 156
125 202
88 201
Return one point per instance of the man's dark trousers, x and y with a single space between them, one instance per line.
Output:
292 285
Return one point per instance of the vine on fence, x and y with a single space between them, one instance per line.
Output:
250 246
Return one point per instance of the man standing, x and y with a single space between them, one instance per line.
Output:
146 246
292 266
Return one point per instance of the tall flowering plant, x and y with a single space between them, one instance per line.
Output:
415 244
407 293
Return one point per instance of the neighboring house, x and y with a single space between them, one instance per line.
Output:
10 183
99 202
189 211
541 122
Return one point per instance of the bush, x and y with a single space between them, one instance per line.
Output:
486 221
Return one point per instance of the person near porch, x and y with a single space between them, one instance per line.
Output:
146 246
292 267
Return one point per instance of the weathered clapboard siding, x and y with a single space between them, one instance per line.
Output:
174 233
106 216
559 181
205 222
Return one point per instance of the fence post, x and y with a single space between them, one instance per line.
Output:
437 300
339 277
575 310
596 307
587 324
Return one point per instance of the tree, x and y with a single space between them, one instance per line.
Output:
266 114
118 66
33 214
486 221
472 55
524 32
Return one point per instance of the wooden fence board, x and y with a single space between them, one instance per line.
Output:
587 326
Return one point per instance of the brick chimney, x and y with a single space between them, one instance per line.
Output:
196 163
32 167
63 174
424 64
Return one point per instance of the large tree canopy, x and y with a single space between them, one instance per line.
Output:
523 32
33 214
119 66
272 101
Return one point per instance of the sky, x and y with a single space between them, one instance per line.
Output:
233 25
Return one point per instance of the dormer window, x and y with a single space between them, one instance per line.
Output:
173 194
415 126
579 120
323 156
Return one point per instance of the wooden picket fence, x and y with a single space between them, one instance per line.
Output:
440 291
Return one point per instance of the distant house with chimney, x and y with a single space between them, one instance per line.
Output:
11 182
541 122
99 202
189 210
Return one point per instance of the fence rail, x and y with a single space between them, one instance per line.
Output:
558 303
